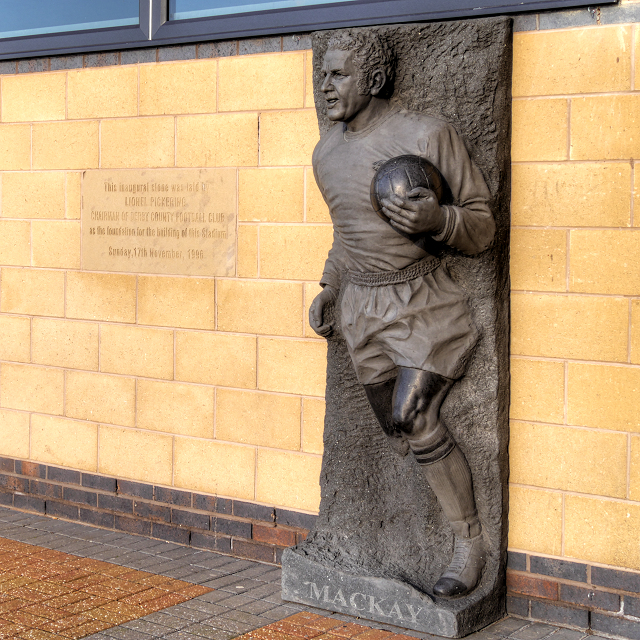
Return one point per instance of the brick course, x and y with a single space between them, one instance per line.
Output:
592 598
234 527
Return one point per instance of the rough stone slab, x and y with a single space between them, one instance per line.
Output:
379 599
379 519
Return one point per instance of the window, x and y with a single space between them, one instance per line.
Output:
31 28
34 17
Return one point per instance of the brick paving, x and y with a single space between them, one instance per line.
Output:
237 599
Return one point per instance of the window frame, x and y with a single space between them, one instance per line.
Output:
156 30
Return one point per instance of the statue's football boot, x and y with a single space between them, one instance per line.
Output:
465 569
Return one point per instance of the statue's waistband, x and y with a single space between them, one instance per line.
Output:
382 278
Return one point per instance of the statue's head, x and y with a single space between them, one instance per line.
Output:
358 66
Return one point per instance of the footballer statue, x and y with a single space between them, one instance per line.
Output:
395 181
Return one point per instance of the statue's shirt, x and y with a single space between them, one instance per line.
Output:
344 165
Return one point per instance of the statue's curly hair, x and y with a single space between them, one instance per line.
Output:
371 51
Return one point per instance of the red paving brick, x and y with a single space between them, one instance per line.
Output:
46 594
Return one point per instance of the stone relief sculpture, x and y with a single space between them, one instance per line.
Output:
409 205
406 323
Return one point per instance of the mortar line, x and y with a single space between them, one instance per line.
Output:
175 339
258 251
173 460
255 473
562 527
304 307
138 68
575 494
215 412
628 494
215 304
175 141
304 196
301 424
566 393
98 450
568 261
304 79
135 403
537 22
218 85
100 144
629 333
237 217
633 58
569 129
633 189
31 148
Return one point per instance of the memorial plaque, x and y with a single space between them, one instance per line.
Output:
170 221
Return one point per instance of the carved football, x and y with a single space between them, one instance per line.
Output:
401 174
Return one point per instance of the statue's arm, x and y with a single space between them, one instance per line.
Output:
469 224
330 280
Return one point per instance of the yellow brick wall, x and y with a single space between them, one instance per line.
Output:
209 384
575 342
216 384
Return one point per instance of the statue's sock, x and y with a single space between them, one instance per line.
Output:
450 479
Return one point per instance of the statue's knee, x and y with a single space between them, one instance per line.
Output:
404 418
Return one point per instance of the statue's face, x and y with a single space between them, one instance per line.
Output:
340 86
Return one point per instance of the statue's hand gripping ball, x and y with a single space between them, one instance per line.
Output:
400 175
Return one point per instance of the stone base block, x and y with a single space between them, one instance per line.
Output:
383 599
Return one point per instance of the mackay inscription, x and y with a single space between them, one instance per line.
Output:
169 221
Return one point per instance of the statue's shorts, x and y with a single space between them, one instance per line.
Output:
416 318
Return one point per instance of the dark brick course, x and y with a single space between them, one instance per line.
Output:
13 483
231 527
253 511
590 597
97 518
63 475
172 496
516 561
29 503
46 489
614 579
90 498
295 519
62 510
133 525
151 510
205 503
559 568
253 551
615 626
632 606
517 606
173 534
31 469
559 615
99 482
137 489
234 527
115 503
190 519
